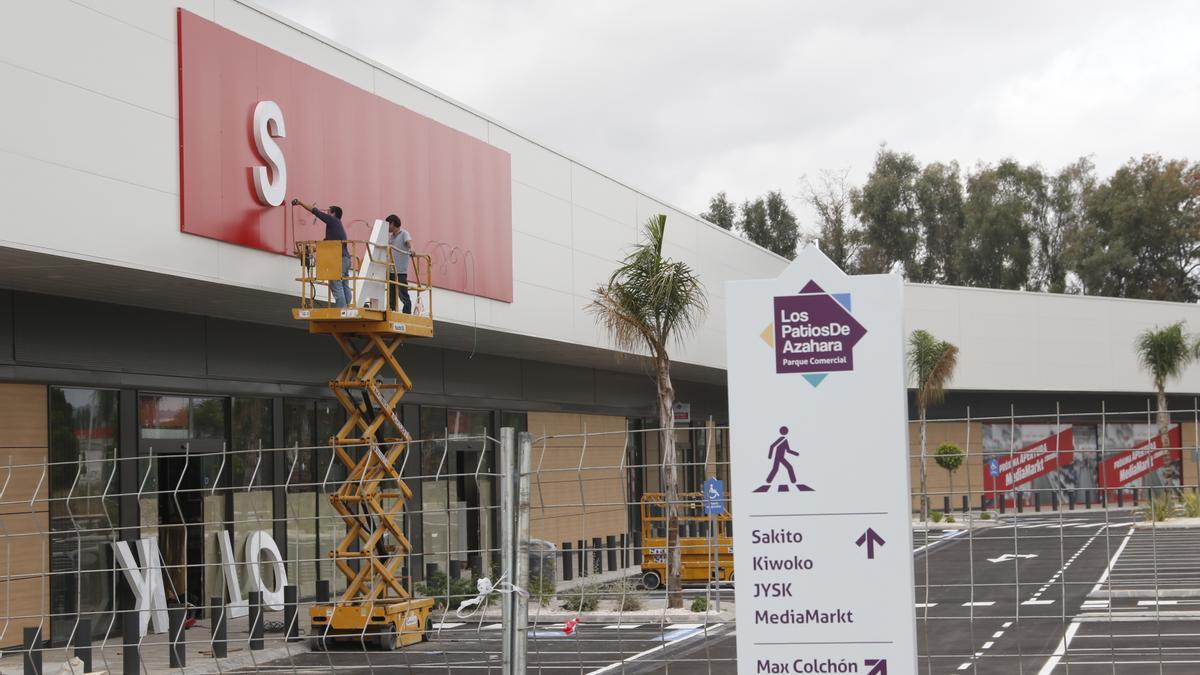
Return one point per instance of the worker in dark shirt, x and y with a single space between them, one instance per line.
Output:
334 230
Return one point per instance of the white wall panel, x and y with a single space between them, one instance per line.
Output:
540 214
90 50
532 164
153 16
603 195
113 139
598 235
537 261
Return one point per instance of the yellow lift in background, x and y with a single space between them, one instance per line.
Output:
376 606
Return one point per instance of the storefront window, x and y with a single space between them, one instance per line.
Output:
458 496
314 528
83 449
253 473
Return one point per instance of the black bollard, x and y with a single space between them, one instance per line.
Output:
323 584
1103 499
475 562
32 645
624 552
220 646
568 573
581 547
256 620
597 555
1071 500
83 644
131 661
946 504
430 570
455 569
1020 503
1120 498
610 542
1087 499
1054 500
291 621
1037 502
1003 503
966 504
637 548
1135 496
176 643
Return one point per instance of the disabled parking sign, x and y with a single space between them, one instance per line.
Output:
714 497
819 468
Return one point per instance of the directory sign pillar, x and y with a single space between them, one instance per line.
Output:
820 476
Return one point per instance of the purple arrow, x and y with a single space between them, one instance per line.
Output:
880 666
871 538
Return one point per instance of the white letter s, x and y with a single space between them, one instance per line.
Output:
268 125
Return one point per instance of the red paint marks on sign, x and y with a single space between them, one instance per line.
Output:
1036 459
344 146
1122 468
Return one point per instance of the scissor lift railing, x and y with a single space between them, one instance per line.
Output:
375 606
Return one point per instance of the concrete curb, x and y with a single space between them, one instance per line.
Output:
643 617
1171 524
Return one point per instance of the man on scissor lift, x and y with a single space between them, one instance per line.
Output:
334 230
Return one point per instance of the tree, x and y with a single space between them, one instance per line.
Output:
839 240
1003 202
886 205
1164 353
939 198
650 303
950 457
770 223
1142 235
720 212
1054 236
931 364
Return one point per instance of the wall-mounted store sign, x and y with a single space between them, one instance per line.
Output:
258 127
824 568
146 577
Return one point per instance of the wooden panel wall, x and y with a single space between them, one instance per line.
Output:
24 515
569 504
968 477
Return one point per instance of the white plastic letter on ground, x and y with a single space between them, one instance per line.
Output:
257 544
237 604
267 126
146 581
821 517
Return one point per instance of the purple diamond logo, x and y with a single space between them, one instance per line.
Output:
815 332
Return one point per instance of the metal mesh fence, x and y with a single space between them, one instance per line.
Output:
1052 543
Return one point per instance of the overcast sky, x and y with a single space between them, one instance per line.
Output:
682 99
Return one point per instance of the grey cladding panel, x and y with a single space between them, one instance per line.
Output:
259 352
552 383
424 367
6 326
633 392
68 332
484 376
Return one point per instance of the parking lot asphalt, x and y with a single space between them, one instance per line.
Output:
1036 593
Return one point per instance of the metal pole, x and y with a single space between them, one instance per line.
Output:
507 559
713 564
521 548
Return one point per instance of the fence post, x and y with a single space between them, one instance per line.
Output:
507 555
521 618
291 631
256 620
220 647
83 644
176 644
33 650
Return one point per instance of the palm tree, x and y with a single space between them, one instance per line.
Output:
649 303
931 363
1165 352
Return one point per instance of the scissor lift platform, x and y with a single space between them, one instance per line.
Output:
375 607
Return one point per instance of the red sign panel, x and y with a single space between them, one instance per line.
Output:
341 145
1024 465
1125 467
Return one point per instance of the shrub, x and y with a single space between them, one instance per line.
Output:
542 589
985 516
631 602
700 605
582 599
950 519
935 516
1191 503
1160 506
447 591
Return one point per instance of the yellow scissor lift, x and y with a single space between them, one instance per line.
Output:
375 606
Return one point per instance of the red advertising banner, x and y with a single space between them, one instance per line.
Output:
257 128
1124 467
1002 473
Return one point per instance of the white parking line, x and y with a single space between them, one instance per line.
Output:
988 603
1060 650
612 666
